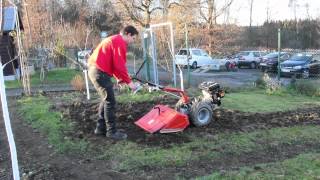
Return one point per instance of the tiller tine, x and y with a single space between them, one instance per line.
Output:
164 119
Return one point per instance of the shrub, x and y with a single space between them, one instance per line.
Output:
78 83
306 87
271 85
260 83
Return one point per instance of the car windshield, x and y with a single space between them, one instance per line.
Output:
300 57
196 52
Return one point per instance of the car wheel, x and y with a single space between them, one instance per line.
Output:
253 65
227 65
305 74
194 65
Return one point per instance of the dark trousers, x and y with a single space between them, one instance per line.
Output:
104 86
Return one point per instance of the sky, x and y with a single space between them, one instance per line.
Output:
279 10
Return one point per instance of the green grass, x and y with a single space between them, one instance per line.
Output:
35 111
130 156
56 76
304 166
259 101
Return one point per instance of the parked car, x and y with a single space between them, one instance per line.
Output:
248 58
197 58
83 56
302 64
269 62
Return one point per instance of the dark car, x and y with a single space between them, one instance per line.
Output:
302 65
269 62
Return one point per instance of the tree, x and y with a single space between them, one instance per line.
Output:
251 8
141 11
294 5
209 12
1 16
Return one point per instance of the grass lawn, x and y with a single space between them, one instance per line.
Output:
259 101
56 76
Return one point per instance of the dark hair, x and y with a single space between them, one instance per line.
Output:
129 29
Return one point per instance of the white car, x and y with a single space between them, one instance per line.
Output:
197 58
83 56
248 58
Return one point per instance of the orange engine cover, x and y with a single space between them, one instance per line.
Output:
164 119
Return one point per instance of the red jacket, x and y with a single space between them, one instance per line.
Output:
110 57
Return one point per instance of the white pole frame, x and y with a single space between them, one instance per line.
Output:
153 26
85 71
5 111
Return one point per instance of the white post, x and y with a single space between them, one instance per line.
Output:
85 71
181 79
174 60
154 58
5 111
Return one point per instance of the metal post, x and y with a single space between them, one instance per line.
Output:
12 146
188 59
173 54
279 49
87 83
146 55
154 58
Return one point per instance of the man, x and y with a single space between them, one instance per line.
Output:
109 60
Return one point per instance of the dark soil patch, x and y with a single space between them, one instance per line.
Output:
230 121
84 114
5 160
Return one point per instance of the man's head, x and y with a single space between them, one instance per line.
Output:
129 34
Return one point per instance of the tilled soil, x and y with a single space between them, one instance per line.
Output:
84 115
5 166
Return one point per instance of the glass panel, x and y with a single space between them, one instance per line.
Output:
196 52
182 52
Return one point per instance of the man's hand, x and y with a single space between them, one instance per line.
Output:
120 85
135 87
132 86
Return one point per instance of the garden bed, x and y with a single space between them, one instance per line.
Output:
234 140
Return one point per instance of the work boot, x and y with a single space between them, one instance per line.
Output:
100 128
117 135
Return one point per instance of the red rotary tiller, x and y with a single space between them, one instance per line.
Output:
198 111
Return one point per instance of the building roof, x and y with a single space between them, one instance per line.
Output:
10 18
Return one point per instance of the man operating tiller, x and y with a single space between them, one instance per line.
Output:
109 60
